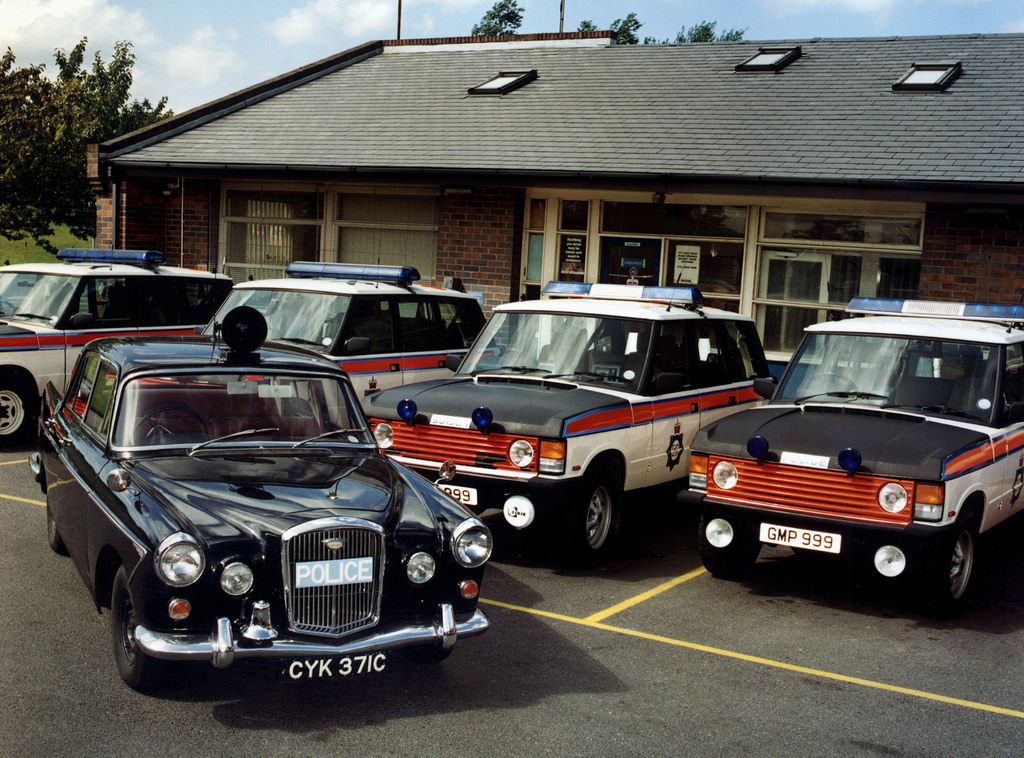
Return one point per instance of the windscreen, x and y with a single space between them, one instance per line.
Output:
305 318
931 375
188 409
35 297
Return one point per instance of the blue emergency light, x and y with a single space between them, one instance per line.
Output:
94 255
353 271
936 309
690 295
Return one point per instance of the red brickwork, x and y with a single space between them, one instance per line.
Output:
973 254
149 219
479 240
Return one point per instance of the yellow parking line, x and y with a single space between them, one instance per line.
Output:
765 661
11 463
21 499
637 599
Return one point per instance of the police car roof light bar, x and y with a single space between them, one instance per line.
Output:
365 273
937 309
94 255
686 295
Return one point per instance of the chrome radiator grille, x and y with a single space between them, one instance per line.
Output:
333 570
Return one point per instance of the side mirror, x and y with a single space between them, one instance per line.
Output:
357 345
765 386
1015 413
452 361
669 381
82 321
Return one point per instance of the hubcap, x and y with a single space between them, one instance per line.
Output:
12 412
598 519
960 564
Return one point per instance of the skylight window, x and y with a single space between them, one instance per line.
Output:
504 83
929 77
770 59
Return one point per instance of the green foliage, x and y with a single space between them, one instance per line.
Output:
45 126
587 26
625 29
705 32
504 17
27 251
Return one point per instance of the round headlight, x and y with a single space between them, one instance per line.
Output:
725 475
236 579
890 561
471 543
719 532
892 497
520 453
420 567
179 560
384 435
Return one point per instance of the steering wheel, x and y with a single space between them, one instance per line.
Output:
159 432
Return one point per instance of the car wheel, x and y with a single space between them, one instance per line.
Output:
138 670
594 521
15 414
948 578
53 537
732 561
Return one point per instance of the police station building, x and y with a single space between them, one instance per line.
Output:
782 178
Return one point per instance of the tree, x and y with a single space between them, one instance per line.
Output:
625 29
705 32
504 17
45 125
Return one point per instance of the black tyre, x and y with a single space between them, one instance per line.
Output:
138 670
594 521
947 580
53 538
732 561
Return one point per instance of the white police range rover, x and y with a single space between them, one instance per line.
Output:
372 320
895 438
563 406
48 311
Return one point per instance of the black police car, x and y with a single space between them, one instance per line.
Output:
228 501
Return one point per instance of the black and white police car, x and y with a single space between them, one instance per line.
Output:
564 405
48 311
895 438
374 321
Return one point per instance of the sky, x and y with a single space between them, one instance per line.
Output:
195 51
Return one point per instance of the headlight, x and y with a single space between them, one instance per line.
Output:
179 560
520 453
236 579
725 475
892 497
384 435
471 543
420 567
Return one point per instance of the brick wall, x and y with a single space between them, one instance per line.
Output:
973 254
479 240
151 220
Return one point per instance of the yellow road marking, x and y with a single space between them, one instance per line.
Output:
11 463
637 599
820 673
22 499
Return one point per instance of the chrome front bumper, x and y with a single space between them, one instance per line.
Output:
221 648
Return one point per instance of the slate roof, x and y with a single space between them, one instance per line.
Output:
670 111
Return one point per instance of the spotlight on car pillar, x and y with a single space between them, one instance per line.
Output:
757 446
849 459
407 410
482 417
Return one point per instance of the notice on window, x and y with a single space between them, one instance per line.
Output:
572 257
687 264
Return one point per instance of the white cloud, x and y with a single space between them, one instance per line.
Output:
33 29
206 66
322 20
